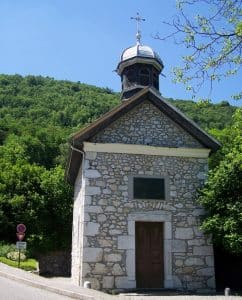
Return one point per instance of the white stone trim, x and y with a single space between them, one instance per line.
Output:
146 150
128 242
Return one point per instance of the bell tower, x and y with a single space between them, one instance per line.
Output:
139 66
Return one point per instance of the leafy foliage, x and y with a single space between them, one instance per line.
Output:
43 112
6 248
213 40
206 114
37 115
35 196
222 195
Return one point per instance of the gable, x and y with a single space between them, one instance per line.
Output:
109 125
145 124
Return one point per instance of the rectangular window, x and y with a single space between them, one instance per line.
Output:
148 188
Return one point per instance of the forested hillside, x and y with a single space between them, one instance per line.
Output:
50 110
37 116
206 114
43 112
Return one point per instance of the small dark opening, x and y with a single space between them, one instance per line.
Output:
156 81
144 77
128 79
149 188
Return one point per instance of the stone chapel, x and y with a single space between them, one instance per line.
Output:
136 172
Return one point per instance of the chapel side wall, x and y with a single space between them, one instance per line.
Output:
77 229
109 251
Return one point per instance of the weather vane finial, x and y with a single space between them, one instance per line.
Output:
138 20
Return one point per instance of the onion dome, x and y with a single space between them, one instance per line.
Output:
139 53
139 66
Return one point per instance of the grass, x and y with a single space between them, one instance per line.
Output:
29 264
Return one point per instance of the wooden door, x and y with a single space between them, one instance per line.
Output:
149 254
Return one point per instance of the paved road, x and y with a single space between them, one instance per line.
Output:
12 290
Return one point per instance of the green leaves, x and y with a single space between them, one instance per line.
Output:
35 196
238 29
37 115
222 194
213 41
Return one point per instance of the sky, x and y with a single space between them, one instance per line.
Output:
81 40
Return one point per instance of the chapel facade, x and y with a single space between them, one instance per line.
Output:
136 172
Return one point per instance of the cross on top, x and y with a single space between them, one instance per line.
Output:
138 20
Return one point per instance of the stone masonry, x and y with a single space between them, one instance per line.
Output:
105 212
146 125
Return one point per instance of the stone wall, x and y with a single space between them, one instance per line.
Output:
146 125
105 211
110 215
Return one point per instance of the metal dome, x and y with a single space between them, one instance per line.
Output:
140 51
139 54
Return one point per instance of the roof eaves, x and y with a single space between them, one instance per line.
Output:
202 136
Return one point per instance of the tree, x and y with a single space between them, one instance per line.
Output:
54 215
35 196
213 39
222 194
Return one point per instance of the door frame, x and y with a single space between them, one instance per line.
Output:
128 243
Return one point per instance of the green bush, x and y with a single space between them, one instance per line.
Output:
6 248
